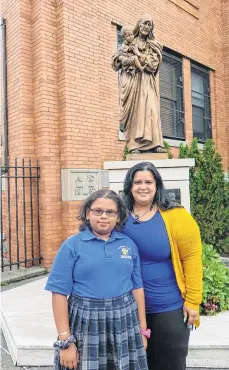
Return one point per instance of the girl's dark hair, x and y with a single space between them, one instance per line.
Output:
110 194
160 198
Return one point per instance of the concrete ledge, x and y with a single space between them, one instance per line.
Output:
10 276
28 324
159 163
217 358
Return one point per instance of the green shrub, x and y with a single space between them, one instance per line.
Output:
209 194
125 152
168 149
215 282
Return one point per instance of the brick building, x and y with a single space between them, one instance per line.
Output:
63 100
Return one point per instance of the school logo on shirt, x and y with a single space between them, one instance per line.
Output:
125 252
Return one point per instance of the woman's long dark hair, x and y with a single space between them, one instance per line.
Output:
110 194
160 198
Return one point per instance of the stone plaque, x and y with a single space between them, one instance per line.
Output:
174 195
83 184
78 184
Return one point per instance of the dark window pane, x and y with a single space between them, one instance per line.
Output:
207 107
201 107
168 72
197 99
168 116
119 39
171 93
168 91
197 83
198 123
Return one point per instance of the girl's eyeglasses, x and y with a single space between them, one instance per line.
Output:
99 212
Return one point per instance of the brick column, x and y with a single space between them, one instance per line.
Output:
187 99
19 77
46 123
20 128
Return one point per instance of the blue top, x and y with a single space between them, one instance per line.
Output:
91 267
162 293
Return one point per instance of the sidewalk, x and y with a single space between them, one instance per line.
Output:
29 330
6 360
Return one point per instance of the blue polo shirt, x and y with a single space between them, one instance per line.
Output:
91 267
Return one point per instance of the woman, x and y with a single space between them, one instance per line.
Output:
139 99
102 325
169 246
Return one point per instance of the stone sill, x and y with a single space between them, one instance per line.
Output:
189 6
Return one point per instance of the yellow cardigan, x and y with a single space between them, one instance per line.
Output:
186 251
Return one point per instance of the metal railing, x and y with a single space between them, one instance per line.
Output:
19 215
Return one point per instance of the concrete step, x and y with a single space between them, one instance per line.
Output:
29 330
28 325
209 344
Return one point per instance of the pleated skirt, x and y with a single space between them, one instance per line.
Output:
107 333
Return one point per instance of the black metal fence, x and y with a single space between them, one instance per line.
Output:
19 215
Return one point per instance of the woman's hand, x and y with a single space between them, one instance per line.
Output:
191 314
145 342
69 357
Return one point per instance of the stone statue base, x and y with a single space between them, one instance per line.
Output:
146 156
174 172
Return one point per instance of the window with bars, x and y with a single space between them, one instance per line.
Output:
201 105
119 37
119 44
171 97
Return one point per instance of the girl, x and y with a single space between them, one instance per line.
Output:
98 327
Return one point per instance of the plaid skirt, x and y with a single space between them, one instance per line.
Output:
107 333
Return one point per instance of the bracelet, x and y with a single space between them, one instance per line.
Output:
64 344
65 332
146 333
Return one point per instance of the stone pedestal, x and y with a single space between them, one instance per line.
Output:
174 173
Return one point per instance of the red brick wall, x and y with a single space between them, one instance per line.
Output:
33 105
46 122
19 77
90 107
63 94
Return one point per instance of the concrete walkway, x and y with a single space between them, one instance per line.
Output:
29 330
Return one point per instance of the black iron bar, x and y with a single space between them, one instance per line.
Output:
38 214
9 221
31 208
24 207
16 209
1 221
